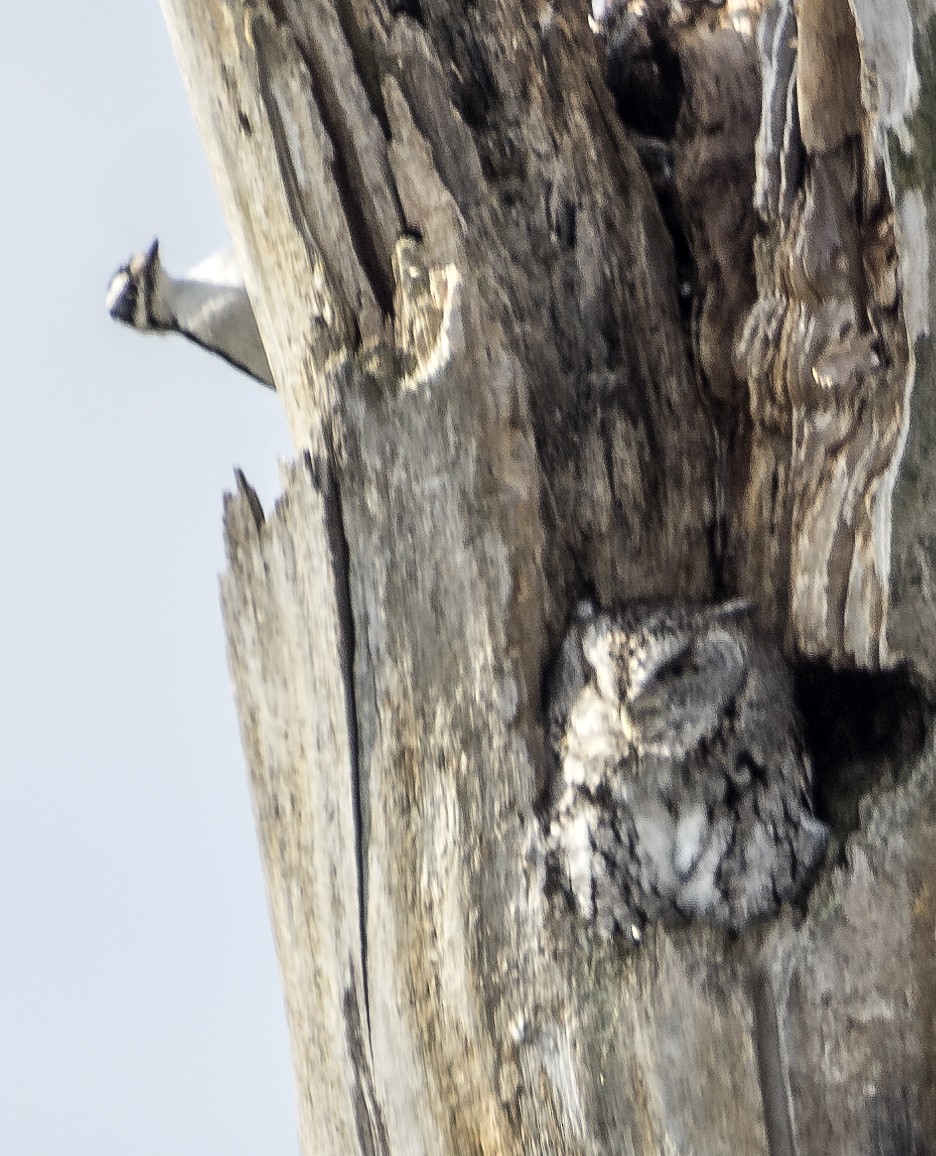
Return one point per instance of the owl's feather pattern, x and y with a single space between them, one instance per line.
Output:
681 786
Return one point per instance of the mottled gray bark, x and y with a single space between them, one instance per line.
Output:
470 305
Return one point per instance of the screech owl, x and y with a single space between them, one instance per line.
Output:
681 785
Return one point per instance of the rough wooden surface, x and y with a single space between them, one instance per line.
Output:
827 348
469 301
912 628
284 616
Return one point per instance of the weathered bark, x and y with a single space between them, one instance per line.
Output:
825 351
470 305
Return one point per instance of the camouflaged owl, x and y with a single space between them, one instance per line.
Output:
681 785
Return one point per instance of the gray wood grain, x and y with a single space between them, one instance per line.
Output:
468 298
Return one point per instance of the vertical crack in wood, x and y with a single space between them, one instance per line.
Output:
368 1117
338 549
429 99
265 54
285 609
772 1066
334 166
370 245
366 38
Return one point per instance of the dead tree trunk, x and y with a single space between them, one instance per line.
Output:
471 306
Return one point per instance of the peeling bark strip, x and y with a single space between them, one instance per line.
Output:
282 609
825 350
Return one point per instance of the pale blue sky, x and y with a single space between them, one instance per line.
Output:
140 1008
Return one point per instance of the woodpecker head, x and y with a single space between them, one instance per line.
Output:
134 296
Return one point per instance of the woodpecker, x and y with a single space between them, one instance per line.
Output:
208 305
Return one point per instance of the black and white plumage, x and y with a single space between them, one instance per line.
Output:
209 305
681 784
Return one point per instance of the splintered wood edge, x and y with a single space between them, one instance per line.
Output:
280 608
